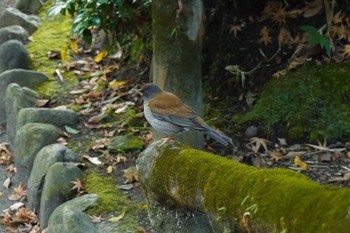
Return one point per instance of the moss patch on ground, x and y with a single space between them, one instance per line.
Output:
112 202
311 103
52 35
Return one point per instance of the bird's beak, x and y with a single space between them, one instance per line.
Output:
134 91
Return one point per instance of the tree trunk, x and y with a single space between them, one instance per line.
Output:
177 47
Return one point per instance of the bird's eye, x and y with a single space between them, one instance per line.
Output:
145 92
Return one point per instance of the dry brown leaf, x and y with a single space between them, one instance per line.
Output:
284 36
235 29
18 192
265 37
11 169
5 154
7 183
338 18
78 185
93 160
131 175
110 169
312 8
256 143
280 73
276 154
346 50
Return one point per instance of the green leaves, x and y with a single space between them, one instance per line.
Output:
108 15
317 38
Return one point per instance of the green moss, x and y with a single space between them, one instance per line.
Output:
277 199
111 200
52 35
113 203
311 103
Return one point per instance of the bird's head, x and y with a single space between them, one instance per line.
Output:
149 91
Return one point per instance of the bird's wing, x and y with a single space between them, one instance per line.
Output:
170 108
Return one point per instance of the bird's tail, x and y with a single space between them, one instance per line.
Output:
220 137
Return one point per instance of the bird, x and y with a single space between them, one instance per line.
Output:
168 114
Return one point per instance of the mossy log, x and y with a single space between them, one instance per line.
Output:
233 194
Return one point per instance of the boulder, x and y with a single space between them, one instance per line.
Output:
25 78
13 32
12 16
68 217
13 55
29 140
17 98
57 189
46 157
58 117
29 6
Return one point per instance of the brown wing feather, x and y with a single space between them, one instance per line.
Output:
168 104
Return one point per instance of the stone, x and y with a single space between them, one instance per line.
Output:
29 6
13 55
126 143
13 32
57 189
12 16
29 140
58 117
46 157
17 98
25 78
68 217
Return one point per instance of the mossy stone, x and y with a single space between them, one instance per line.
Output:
127 142
311 103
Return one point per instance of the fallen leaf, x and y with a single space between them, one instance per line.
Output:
125 186
93 160
7 183
131 175
71 130
110 169
78 185
18 192
100 56
299 163
256 143
96 219
74 45
5 154
118 218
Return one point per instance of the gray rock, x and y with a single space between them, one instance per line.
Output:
14 32
57 189
25 78
251 131
30 138
17 98
47 156
29 6
12 16
13 55
69 217
58 117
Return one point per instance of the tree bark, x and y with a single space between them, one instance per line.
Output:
177 46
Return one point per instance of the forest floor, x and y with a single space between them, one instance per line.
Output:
270 44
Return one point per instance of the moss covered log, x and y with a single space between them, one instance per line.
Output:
256 200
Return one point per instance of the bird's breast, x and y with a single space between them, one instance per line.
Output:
158 124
